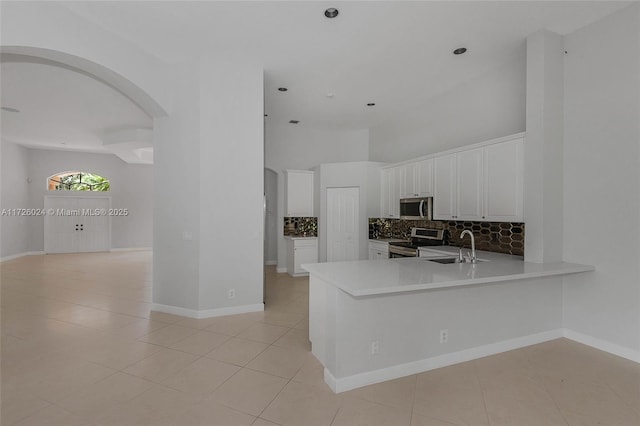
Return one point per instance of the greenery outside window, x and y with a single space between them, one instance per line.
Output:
77 181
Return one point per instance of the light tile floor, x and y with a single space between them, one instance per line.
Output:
81 347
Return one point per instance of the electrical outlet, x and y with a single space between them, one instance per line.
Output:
231 294
444 336
375 347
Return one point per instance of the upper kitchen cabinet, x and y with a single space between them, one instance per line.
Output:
298 193
390 187
480 184
470 184
444 193
503 181
417 179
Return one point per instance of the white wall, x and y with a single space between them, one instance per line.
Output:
231 184
488 107
362 175
302 148
131 188
14 195
271 220
602 179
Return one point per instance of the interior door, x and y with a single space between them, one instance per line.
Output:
60 224
343 238
77 224
94 234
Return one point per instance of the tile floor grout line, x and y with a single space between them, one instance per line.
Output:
413 399
484 400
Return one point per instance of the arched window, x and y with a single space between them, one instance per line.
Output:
77 181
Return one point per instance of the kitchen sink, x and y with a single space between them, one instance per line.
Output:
445 260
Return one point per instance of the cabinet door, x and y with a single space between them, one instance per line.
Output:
444 192
299 192
291 258
304 254
503 170
396 192
424 178
470 184
409 179
386 183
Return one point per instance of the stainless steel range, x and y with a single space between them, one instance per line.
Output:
420 237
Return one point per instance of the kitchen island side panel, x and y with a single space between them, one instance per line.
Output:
407 326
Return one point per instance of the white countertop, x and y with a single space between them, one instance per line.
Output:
298 237
387 276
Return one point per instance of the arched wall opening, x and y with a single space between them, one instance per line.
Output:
131 232
100 72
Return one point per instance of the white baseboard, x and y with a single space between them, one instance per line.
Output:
207 313
281 270
16 256
603 345
344 384
132 249
271 262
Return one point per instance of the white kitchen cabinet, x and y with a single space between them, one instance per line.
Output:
378 250
480 184
417 179
424 178
299 252
470 184
386 182
503 181
298 193
390 188
444 188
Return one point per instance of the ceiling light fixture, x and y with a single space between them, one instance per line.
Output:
459 50
371 104
329 95
331 13
9 109
282 89
294 121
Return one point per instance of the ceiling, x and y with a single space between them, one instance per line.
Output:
397 55
66 109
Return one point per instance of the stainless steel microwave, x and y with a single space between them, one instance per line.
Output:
416 208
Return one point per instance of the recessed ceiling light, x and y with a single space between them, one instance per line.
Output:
294 121
9 109
371 104
332 12
282 89
459 50
329 95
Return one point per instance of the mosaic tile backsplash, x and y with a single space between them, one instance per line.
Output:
498 237
301 226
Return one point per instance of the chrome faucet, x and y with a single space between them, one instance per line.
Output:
472 257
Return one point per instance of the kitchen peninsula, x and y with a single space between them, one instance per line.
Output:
376 320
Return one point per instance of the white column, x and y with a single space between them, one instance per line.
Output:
544 147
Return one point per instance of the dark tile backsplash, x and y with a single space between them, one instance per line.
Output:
499 237
301 226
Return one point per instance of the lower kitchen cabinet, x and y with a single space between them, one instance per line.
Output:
378 250
301 250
